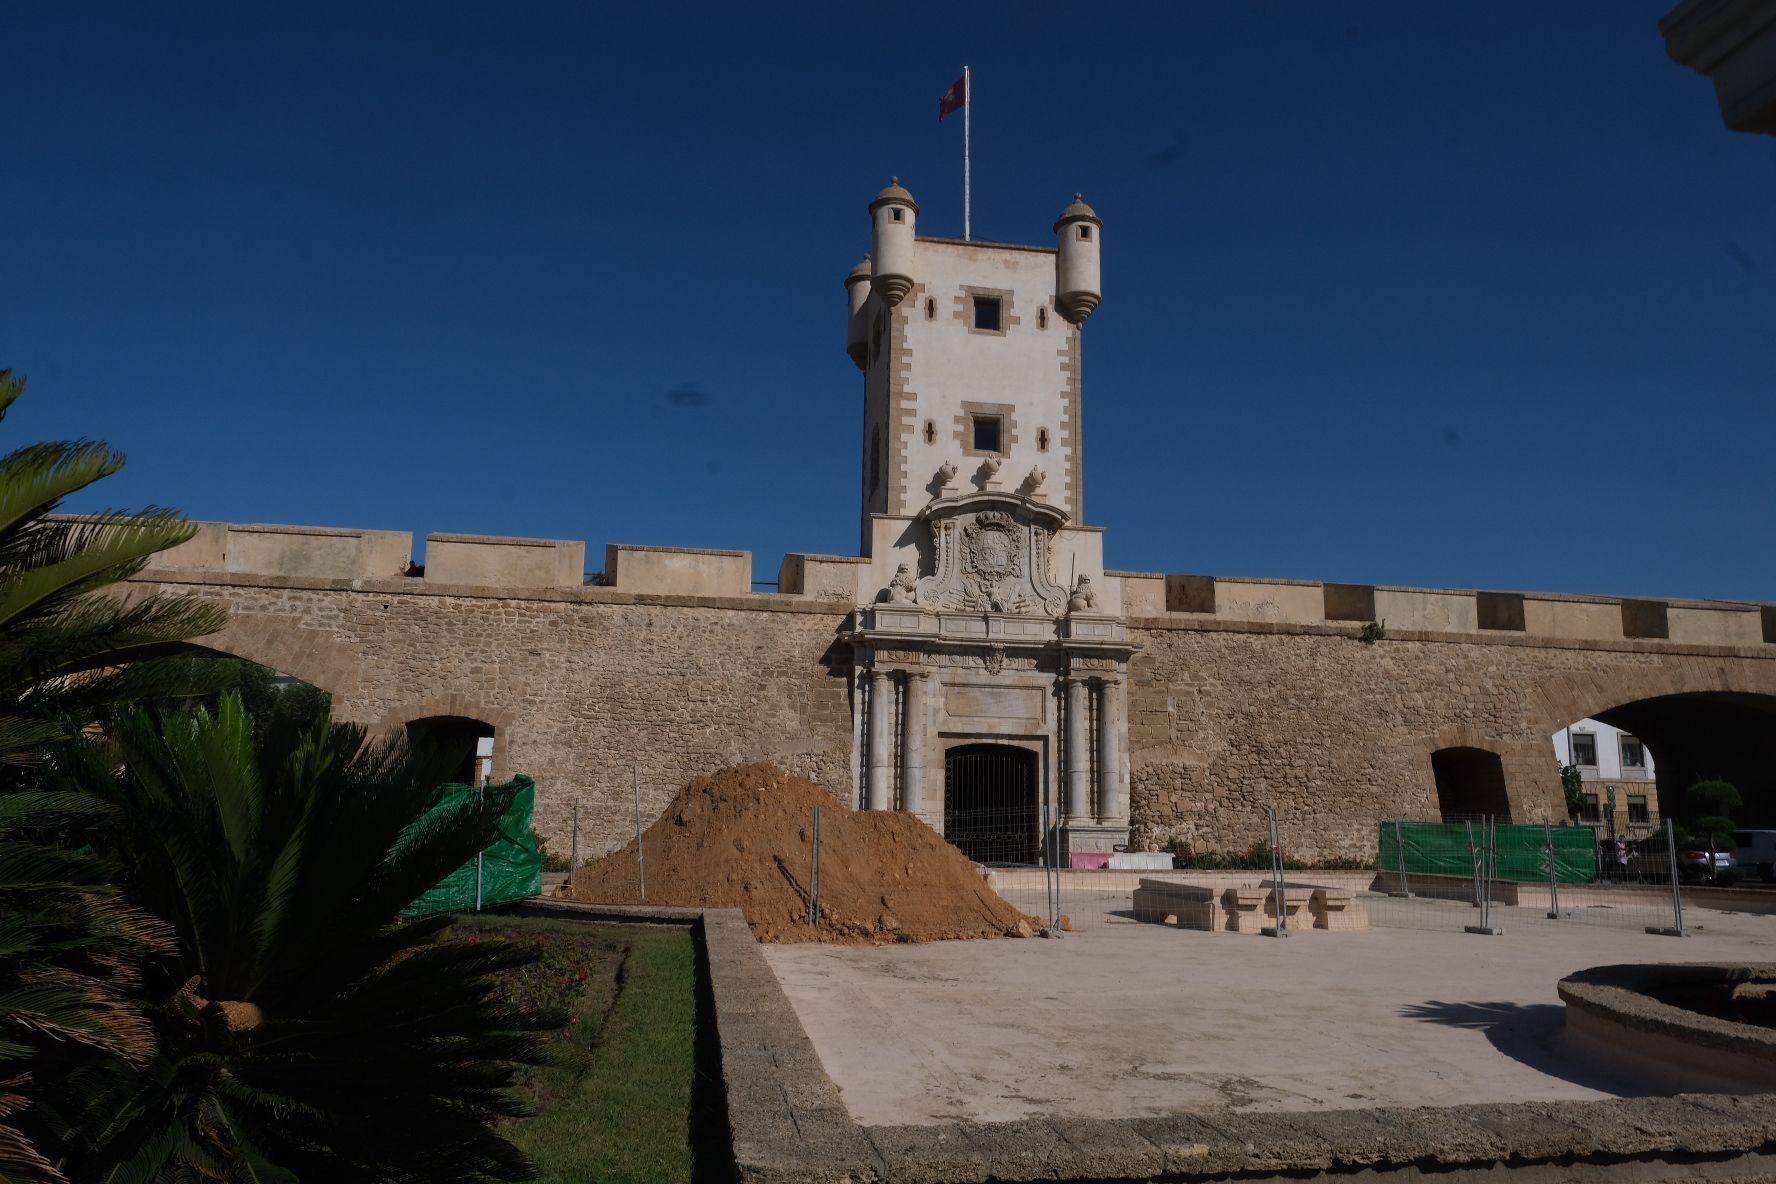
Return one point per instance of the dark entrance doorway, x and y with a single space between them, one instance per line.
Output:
991 803
457 742
1470 783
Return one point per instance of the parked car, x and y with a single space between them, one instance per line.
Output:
1756 848
1692 863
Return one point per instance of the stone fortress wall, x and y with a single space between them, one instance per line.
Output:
1243 692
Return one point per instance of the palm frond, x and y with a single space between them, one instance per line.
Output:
104 551
34 479
98 631
11 387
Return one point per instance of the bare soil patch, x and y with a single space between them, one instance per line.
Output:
741 838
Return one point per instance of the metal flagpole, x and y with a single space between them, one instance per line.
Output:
967 179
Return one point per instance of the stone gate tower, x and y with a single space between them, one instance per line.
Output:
990 655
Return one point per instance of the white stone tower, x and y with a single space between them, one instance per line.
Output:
985 631
971 357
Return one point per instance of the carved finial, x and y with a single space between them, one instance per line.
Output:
1079 197
1037 476
946 472
896 181
992 464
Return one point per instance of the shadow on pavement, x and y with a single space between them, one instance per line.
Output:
1534 1035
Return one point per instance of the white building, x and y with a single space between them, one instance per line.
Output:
1616 768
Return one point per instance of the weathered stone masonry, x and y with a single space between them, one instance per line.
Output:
1339 734
581 685
1224 718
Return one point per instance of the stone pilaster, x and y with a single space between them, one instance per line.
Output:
1110 805
913 713
879 786
1078 804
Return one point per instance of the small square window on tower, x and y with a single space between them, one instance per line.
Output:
986 313
986 433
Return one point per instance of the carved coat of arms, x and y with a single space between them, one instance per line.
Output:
991 561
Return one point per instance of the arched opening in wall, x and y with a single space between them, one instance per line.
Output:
199 677
465 744
991 806
1638 761
1470 784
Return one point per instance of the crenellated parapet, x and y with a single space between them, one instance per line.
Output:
1235 602
515 566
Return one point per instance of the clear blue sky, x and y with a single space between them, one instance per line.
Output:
1477 295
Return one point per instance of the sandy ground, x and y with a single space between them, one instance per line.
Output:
1128 1019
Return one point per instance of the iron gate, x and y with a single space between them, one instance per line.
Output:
991 805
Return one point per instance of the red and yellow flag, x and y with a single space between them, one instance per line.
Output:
953 99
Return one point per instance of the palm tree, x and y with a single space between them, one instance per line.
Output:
65 647
310 1030
71 948
67 943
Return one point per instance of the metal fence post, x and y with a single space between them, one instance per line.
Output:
1553 871
1485 871
1056 922
814 874
573 849
1050 877
1400 849
1278 886
1473 861
640 854
480 797
1677 927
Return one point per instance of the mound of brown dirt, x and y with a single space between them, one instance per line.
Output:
740 839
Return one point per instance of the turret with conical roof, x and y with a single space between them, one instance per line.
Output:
1077 235
893 212
857 293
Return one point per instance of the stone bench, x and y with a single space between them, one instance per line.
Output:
1247 909
1297 899
1336 909
1188 906
1439 887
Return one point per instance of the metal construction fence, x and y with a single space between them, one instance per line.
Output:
1482 875
1485 875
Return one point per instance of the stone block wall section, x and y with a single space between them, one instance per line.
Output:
583 684
788 1123
1283 703
1338 734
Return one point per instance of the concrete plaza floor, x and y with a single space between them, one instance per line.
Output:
1129 1019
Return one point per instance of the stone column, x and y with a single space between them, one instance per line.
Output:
1078 806
912 742
879 788
1110 750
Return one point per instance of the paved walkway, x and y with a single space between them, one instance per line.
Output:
1127 1019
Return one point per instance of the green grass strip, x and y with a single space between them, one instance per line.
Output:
629 1115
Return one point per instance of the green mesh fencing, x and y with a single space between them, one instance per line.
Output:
511 868
1441 849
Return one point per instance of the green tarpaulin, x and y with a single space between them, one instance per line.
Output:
511 869
1442 849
